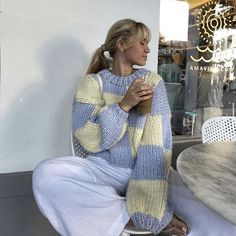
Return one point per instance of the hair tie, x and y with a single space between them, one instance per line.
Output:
103 47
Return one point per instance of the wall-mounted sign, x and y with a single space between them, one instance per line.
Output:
213 17
213 21
207 51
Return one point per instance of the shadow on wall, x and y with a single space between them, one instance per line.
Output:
37 124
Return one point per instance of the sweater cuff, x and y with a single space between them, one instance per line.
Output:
151 223
113 113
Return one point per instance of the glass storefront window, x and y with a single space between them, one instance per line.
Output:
197 59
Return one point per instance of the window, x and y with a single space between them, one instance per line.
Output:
196 59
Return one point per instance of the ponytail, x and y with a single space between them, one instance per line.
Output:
99 61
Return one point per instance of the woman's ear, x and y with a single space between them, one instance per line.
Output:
121 46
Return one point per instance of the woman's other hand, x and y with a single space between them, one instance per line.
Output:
138 91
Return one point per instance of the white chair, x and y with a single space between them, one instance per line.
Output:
222 128
77 150
128 230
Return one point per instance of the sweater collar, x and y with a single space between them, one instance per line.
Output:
127 80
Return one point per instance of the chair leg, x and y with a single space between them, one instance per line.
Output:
124 234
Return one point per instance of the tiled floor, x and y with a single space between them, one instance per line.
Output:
19 216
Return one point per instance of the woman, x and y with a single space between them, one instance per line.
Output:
127 169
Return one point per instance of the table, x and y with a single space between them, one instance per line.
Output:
209 171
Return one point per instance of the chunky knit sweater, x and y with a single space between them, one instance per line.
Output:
131 140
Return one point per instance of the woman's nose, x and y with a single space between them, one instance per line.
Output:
147 49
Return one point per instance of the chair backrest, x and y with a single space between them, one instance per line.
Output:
76 148
222 128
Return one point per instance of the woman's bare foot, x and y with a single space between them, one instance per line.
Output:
175 227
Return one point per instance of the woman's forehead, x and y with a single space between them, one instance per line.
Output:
143 34
135 39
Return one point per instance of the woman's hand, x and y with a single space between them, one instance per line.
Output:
138 91
175 227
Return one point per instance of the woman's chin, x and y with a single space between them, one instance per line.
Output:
141 63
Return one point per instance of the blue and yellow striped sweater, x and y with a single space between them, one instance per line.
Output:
131 140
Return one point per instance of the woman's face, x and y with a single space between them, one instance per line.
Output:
136 52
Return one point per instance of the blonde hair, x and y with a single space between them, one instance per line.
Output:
122 30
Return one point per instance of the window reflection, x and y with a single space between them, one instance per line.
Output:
200 73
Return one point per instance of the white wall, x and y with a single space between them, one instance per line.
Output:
45 47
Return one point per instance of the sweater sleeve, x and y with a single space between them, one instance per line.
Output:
96 125
147 191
